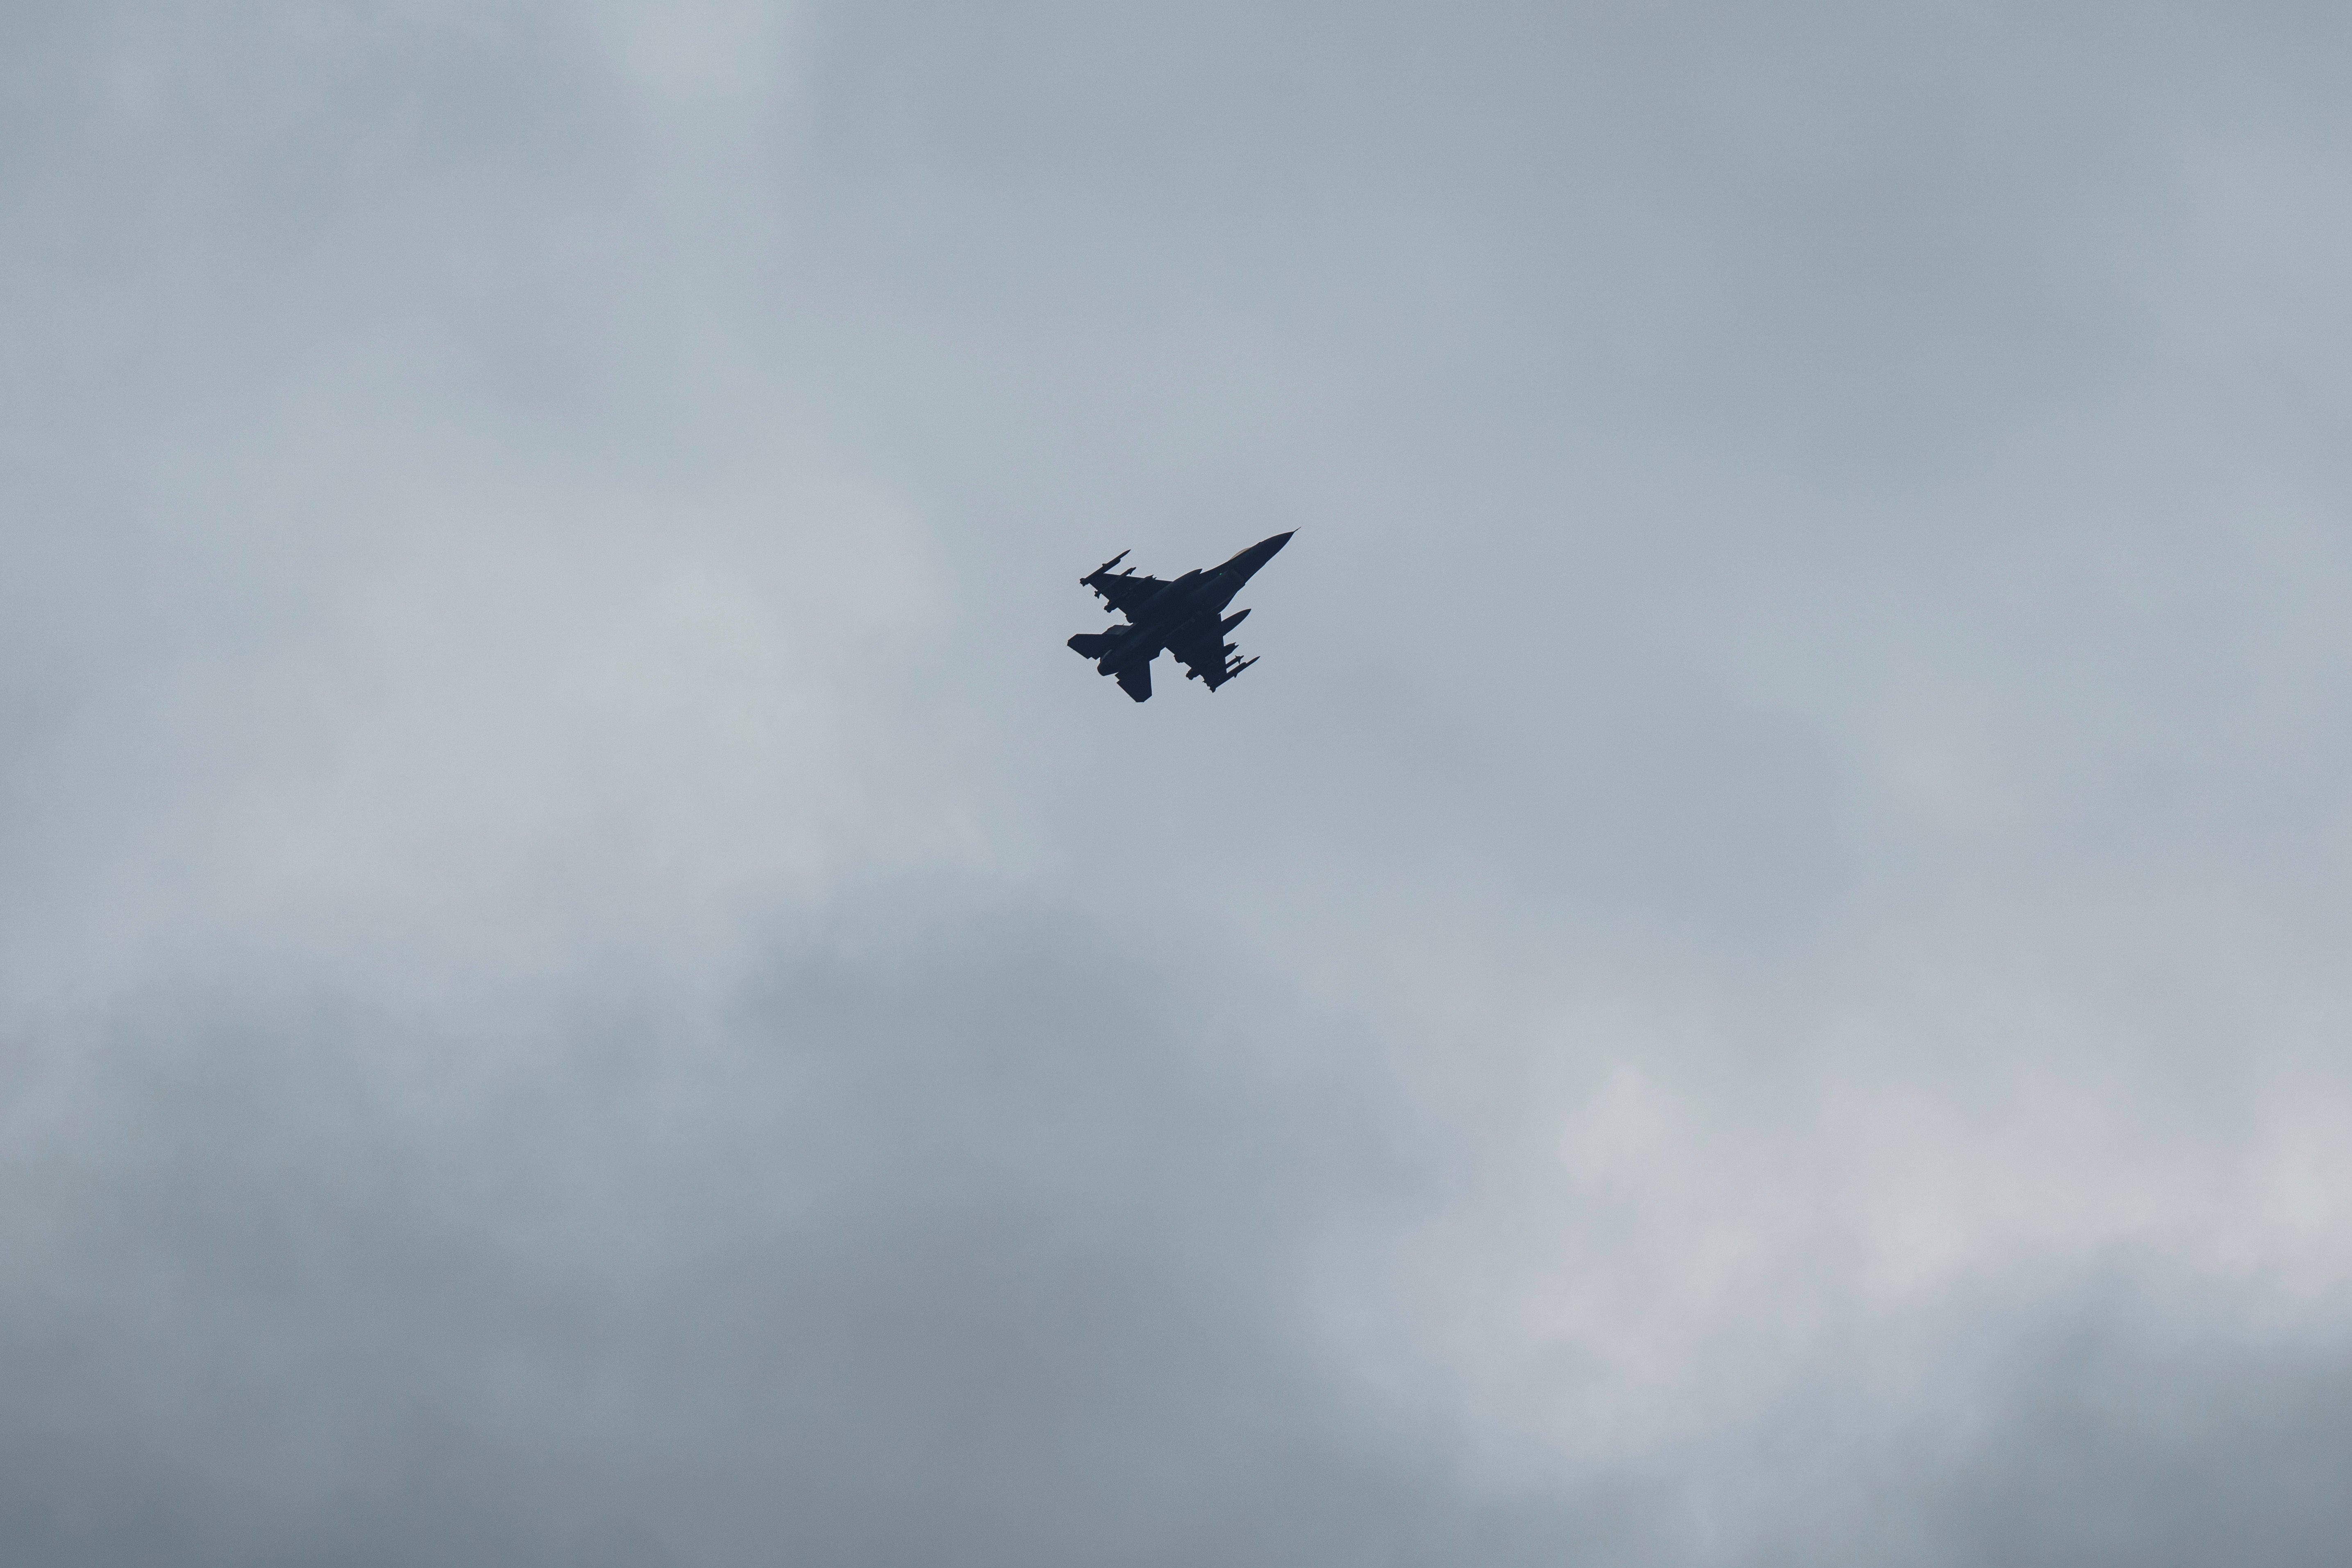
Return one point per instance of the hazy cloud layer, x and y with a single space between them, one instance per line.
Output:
1755 978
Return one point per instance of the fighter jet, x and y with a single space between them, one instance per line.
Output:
1182 616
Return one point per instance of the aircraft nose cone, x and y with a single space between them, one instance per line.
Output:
1258 554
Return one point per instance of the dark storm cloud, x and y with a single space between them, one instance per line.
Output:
836 1276
1755 977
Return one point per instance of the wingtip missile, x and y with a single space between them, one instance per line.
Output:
1230 622
1103 567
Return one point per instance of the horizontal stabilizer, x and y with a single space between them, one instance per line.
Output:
1094 645
1136 681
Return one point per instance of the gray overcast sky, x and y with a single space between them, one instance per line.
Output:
1757 978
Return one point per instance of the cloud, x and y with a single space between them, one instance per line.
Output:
1753 978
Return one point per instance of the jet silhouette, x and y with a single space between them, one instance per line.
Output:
1181 616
